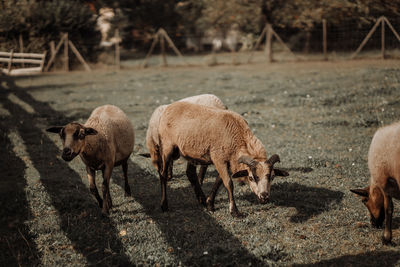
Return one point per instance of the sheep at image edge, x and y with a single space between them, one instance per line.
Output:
384 167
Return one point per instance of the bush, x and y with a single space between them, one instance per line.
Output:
40 22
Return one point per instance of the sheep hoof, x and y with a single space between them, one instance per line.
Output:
237 214
210 205
210 208
164 207
128 192
105 212
109 202
202 201
387 242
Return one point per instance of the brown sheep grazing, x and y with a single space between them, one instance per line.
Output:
384 167
205 136
152 140
106 140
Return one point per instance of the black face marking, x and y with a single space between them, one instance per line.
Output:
62 134
76 134
254 172
253 178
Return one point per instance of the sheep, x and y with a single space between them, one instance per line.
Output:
106 140
384 167
205 136
152 142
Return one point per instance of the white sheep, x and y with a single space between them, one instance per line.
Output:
104 141
205 135
152 139
384 167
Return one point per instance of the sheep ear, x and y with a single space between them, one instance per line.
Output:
279 172
90 131
361 192
146 155
55 129
241 173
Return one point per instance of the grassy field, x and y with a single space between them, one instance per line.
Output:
318 116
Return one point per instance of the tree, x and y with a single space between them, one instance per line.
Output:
40 22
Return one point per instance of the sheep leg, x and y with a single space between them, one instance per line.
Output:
211 197
163 173
125 170
107 203
192 176
92 185
226 179
202 173
387 235
170 171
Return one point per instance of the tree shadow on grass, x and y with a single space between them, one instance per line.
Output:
16 243
195 236
92 235
373 258
308 201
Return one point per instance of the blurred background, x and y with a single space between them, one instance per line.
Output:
196 27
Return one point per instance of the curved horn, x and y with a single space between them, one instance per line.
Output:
273 159
248 161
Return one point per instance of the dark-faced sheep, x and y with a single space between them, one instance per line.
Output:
205 135
152 139
384 167
104 141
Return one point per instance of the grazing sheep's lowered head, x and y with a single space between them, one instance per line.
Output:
73 138
260 175
375 204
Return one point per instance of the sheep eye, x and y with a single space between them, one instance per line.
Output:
251 179
76 134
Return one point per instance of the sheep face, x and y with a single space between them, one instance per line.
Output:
260 175
374 203
73 138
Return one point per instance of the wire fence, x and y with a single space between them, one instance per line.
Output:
238 48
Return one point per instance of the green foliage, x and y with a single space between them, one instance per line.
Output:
40 22
201 15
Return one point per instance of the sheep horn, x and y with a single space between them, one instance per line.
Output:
273 159
248 161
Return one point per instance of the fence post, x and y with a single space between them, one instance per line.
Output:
52 48
366 38
79 56
324 41
153 44
53 56
117 53
10 61
66 58
268 43
21 47
162 45
383 39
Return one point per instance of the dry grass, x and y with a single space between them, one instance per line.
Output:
319 117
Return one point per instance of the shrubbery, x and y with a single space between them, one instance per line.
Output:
40 22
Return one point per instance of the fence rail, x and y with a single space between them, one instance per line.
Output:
328 41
